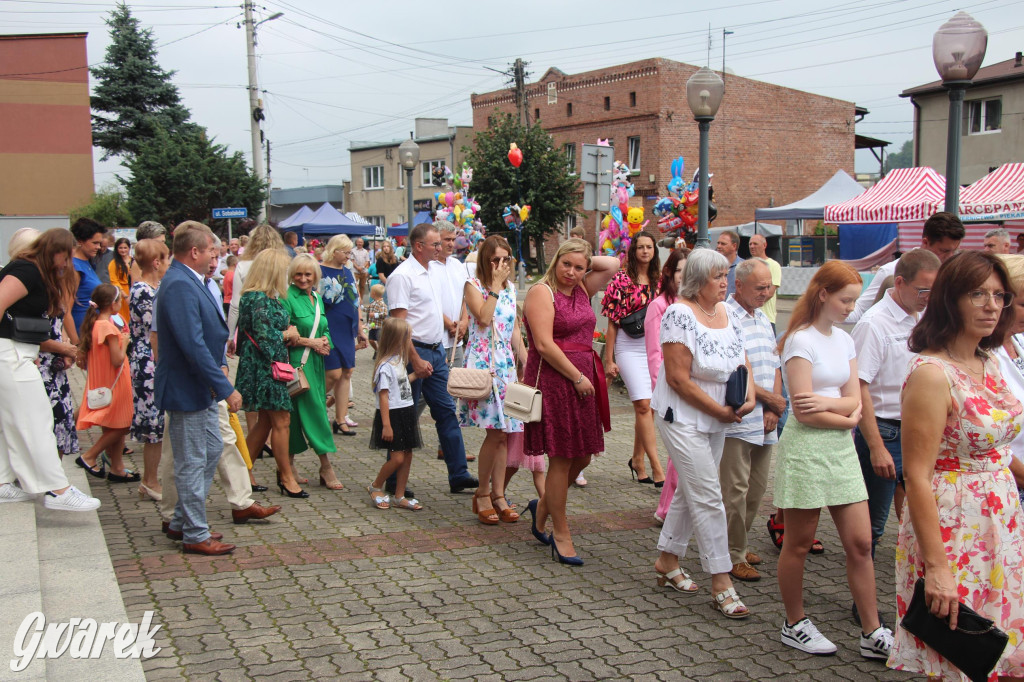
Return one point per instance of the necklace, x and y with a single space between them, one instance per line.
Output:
963 362
711 316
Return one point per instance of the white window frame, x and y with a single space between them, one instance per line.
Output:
375 220
368 172
570 224
552 93
977 112
633 147
569 149
426 169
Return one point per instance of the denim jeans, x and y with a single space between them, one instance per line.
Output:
880 490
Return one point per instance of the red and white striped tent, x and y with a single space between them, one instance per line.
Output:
997 196
905 194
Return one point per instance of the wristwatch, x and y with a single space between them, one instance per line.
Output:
491 294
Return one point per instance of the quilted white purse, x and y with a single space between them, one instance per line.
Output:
472 384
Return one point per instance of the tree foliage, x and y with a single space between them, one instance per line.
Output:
108 207
184 176
133 96
904 158
543 179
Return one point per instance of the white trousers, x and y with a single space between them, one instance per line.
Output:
231 469
28 448
696 507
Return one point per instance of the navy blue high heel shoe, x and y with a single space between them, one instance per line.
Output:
542 538
568 560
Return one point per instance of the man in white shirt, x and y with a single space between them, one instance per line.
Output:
759 249
882 360
361 267
456 320
747 454
941 235
415 292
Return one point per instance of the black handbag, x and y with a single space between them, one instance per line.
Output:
633 324
974 647
32 330
736 388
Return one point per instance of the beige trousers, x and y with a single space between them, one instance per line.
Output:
743 473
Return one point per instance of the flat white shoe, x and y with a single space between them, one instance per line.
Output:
12 493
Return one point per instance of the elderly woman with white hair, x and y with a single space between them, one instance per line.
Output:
701 347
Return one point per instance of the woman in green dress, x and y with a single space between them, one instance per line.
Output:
263 336
310 427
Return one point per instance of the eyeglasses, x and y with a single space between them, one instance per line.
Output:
1003 299
923 293
503 259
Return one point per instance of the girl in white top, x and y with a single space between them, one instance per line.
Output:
817 464
395 427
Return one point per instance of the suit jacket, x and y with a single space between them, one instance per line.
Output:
193 336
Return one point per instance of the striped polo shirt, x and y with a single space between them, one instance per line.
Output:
760 347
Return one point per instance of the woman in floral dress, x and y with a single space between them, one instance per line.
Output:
341 301
494 344
963 532
53 366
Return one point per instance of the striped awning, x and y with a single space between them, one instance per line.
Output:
905 194
997 196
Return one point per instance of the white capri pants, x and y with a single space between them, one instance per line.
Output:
696 507
631 357
28 448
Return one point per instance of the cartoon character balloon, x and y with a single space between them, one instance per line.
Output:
677 213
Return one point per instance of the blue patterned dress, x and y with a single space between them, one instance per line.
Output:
55 378
341 303
147 420
490 413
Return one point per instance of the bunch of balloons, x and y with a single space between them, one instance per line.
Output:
677 212
455 205
515 215
622 223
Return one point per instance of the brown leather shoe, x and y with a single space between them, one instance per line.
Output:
254 511
209 547
753 559
178 536
745 572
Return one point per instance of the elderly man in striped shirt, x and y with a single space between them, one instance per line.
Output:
747 456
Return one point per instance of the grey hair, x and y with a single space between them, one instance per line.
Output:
746 268
999 233
150 229
443 226
216 241
701 265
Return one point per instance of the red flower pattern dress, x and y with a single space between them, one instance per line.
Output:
979 517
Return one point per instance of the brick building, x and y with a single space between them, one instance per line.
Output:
46 130
769 145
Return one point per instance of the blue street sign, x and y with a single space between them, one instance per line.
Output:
231 213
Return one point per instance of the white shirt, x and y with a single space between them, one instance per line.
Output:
360 259
392 377
1015 382
457 275
829 357
421 294
867 299
882 353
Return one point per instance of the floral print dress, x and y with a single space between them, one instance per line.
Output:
55 378
261 321
979 517
490 413
147 421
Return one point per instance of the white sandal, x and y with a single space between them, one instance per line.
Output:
733 608
378 498
411 504
686 585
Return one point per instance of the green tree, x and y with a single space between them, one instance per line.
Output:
133 96
184 176
543 179
108 207
904 158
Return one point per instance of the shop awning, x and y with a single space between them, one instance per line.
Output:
997 196
904 194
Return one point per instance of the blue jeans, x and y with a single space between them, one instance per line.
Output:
880 490
195 437
442 408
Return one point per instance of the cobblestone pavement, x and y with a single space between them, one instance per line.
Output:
332 588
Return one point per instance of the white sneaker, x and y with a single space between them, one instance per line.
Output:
805 637
581 482
877 644
71 499
12 493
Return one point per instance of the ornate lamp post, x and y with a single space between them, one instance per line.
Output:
409 157
958 49
704 93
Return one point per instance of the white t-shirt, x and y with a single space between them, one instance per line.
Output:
392 377
457 276
829 357
1014 378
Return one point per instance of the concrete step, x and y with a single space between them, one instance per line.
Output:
20 591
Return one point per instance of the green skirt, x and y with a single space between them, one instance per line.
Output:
816 468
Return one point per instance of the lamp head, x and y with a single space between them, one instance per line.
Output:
704 92
409 154
958 48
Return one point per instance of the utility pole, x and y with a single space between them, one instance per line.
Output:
724 34
255 105
519 76
268 178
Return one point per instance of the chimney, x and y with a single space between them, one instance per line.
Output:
1017 59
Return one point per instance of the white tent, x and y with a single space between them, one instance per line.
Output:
840 187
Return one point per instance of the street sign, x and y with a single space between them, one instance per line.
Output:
231 213
596 173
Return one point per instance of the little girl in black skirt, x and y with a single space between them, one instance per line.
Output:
395 427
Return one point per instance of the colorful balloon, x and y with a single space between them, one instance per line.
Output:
515 155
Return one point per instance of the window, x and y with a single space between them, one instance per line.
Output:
568 108
536 114
632 99
427 171
552 93
376 220
373 177
984 116
634 153
570 223
570 156
607 103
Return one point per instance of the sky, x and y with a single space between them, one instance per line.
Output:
333 73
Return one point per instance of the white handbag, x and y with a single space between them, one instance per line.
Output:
472 384
98 398
522 401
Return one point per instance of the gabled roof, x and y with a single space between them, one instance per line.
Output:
1010 70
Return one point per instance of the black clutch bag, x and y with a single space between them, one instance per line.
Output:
974 647
633 324
736 388
32 330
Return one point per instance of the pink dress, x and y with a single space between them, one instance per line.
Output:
570 426
979 517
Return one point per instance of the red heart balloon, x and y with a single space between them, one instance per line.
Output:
515 156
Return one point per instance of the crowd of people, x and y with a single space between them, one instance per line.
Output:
694 340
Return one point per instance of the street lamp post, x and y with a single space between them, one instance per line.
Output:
409 157
255 105
958 48
704 92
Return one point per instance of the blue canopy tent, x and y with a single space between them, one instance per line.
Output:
296 219
329 221
402 230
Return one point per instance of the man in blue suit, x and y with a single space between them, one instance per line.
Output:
191 377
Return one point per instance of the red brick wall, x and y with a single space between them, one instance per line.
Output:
769 145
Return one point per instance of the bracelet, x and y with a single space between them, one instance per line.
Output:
580 380
491 294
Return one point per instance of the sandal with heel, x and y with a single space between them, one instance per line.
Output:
487 516
735 609
777 530
506 515
686 585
